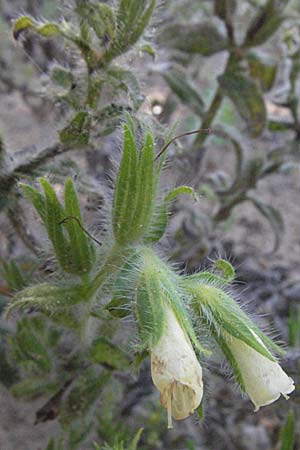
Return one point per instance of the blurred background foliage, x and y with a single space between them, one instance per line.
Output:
69 71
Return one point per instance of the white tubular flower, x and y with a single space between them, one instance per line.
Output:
264 380
176 371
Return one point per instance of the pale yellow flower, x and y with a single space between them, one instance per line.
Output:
264 379
176 371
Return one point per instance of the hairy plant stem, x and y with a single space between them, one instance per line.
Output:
110 266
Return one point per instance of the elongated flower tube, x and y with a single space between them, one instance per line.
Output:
264 380
176 371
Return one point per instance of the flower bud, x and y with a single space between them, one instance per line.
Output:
263 379
176 371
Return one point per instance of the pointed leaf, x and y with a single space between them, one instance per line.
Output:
184 89
205 38
288 433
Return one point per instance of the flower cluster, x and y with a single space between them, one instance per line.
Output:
165 324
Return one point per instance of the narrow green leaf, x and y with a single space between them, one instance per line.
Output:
184 89
247 99
136 439
205 38
265 23
288 432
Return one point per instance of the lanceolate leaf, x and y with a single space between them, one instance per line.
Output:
184 89
204 38
288 433
247 99
266 23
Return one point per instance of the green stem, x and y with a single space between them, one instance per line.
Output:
110 266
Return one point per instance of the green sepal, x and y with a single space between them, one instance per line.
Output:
219 308
228 354
77 132
145 188
81 249
175 301
104 352
149 308
159 221
125 189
